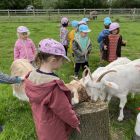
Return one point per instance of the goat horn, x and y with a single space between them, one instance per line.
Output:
103 74
88 71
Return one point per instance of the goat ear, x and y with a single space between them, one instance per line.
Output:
111 84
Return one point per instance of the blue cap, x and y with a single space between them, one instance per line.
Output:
84 28
74 23
85 19
107 21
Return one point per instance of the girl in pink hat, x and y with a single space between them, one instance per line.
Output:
112 43
49 98
24 46
64 33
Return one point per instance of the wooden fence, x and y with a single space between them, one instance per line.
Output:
131 14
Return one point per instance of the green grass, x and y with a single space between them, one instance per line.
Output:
16 115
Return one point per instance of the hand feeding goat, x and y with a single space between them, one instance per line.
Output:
22 67
118 82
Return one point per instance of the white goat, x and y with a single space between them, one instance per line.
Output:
95 75
118 82
22 67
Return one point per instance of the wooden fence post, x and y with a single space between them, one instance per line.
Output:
134 14
8 13
109 12
34 12
49 14
84 12
58 12
94 122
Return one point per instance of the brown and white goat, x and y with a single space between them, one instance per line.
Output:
22 67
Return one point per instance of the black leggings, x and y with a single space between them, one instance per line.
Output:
78 65
66 49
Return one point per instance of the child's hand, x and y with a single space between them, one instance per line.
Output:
22 78
124 42
105 47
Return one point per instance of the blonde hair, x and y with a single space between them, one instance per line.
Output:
18 36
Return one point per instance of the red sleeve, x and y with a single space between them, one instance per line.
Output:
61 106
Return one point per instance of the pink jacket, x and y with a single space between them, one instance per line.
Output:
52 110
24 49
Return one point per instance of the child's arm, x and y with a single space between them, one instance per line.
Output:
122 42
105 43
89 48
6 79
33 48
16 53
100 37
61 106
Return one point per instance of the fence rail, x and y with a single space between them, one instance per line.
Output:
57 13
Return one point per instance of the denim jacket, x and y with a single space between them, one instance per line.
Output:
6 79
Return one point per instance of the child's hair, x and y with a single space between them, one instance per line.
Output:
65 24
118 29
106 26
49 48
42 57
114 26
18 36
22 29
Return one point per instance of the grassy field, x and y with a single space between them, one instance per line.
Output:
16 115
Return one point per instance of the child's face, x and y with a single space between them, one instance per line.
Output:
23 35
115 31
57 63
83 34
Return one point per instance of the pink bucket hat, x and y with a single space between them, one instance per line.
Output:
52 46
64 20
114 26
22 29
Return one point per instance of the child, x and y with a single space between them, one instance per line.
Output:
64 33
81 23
6 79
24 47
71 34
113 43
103 34
81 48
49 97
86 20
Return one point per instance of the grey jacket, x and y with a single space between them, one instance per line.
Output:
6 79
79 55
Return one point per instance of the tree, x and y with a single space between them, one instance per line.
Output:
14 4
126 3
37 4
